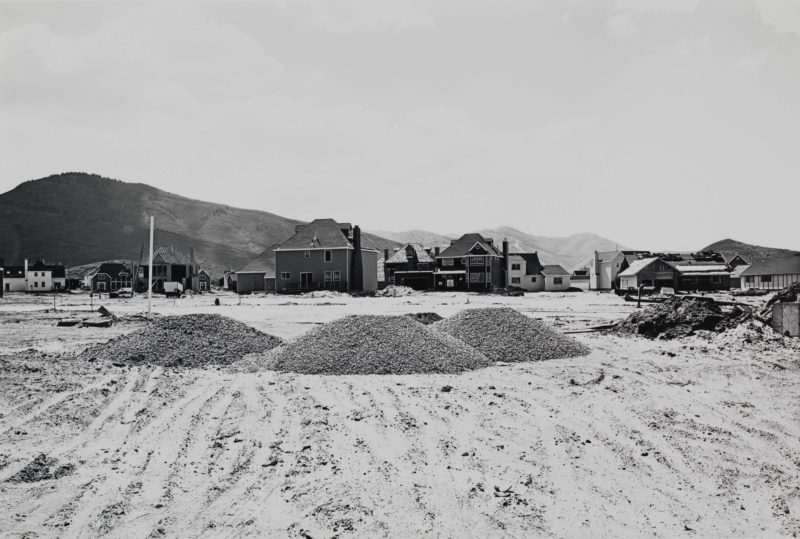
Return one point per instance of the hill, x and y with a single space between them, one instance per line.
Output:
730 247
422 237
79 218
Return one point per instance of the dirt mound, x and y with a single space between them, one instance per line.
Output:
424 318
393 291
194 340
40 469
503 334
375 345
680 317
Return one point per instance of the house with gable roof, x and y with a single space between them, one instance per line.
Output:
325 255
258 275
525 271
472 263
411 265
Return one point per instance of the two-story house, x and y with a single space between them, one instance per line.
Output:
410 265
325 255
111 276
471 262
525 271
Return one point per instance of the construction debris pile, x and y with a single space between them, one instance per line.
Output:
787 295
194 340
424 318
680 317
393 291
503 334
40 469
375 345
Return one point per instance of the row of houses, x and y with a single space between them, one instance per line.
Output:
38 277
707 270
327 255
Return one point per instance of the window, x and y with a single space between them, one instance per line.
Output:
476 277
515 280
327 276
447 262
516 267
285 275
307 254
36 284
558 280
43 285
337 276
476 260
35 273
766 278
748 279
101 285
328 255
533 279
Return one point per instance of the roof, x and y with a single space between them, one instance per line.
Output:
400 257
784 265
705 273
532 264
607 256
699 268
11 272
319 233
737 272
112 268
58 270
168 254
263 263
463 245
729 257
554 269
636 266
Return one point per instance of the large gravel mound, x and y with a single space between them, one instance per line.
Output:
503 334
375 345
679 317
194 340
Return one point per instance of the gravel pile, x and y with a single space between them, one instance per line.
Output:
680 317
194 340
375 345
424 318
503 334
393 291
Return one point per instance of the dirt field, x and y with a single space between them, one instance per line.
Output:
697 437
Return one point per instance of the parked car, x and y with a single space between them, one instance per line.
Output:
125 292
172 288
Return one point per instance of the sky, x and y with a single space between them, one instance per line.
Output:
658 124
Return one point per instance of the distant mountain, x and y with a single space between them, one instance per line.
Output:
79 218
422 237
752 253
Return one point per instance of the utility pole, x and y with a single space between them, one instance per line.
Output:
150 274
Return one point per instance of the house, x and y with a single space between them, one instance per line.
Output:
410 265
735 260
171 265
772 273
472 263
556 278
40 277
650 271
736 275
325 254
110 277
524 270
605 266
706 270
204 280
258 275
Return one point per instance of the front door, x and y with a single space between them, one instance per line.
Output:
306 280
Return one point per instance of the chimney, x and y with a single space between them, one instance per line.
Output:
505 261
357 272
436 251
385 255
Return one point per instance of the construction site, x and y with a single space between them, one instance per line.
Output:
326 415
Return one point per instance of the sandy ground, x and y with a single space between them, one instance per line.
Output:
699 437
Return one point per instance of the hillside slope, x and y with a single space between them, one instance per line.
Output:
79 218
750 252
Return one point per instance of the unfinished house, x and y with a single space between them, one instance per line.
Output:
472 263
110 277
325 255
171 265
410 265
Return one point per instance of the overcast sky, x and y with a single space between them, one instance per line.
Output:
658 124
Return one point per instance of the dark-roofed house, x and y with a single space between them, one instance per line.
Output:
525 271
471 262
40 277
258 275
110 277
556 278
325 255
771 273
412 266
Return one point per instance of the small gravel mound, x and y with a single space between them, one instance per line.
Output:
194 340
395 291
503 334
40 469
375 345
680 317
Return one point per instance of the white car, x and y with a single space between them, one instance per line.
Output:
125 292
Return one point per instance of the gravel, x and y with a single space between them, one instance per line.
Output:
194 340
424 318
680 317
503 334
41 468
395 291
375 345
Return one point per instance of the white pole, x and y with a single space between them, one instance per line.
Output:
150 274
